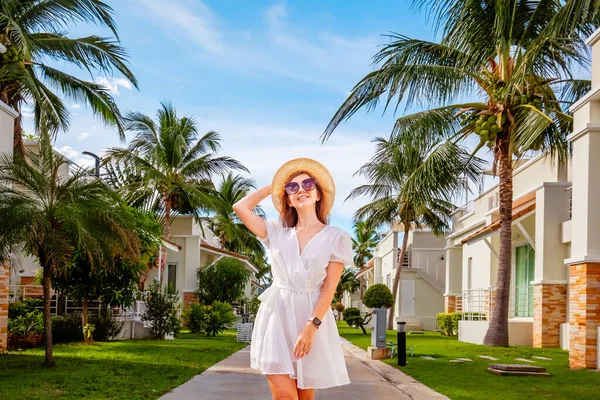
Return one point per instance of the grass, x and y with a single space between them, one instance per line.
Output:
471 380
132 369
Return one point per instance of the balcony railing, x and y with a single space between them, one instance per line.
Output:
478 304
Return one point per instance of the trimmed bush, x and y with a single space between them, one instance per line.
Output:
195 317
378 296
351 316
67 328
448 322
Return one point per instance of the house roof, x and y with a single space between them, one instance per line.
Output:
206 246
364 270
521 206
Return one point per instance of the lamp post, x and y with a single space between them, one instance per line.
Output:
97 168
401 337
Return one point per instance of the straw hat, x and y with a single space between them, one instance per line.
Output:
313 168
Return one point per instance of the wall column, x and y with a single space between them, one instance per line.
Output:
551 277
453 291
4 285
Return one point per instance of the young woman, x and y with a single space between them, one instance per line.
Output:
295 341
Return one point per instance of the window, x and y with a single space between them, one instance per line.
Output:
524 270
470 273
172 277
388 281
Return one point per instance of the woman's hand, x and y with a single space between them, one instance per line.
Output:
305 340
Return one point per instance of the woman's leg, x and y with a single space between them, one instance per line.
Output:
306 394
282 387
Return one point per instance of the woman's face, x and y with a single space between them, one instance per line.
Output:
303 198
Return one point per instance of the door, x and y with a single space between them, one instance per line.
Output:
408 298
523 290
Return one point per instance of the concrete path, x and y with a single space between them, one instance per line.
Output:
233 378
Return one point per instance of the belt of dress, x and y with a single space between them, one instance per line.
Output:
270 295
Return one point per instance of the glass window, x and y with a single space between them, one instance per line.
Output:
524 275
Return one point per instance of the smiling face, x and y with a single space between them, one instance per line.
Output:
303 198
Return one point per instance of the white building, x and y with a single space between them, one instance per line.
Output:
420 296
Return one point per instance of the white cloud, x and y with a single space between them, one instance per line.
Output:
75 156
27 112
283 50
82 136
76 106
113 84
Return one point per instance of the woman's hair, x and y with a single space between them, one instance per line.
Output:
289 215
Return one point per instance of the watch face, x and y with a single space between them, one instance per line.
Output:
317 321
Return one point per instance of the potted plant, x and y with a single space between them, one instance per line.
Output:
379 298
28 327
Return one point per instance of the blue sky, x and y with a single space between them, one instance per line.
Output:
266 75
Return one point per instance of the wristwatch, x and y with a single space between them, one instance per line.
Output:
316 321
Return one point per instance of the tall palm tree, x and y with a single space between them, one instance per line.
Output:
232 232
33 32
406 187
52 217
514 59
364 241
170 169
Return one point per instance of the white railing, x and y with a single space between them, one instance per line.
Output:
478 303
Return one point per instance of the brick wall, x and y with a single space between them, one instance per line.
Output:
4 281
189 298
450 304
584 314
550 310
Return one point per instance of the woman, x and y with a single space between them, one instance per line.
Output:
295 341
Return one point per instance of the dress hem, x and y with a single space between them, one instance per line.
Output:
296 378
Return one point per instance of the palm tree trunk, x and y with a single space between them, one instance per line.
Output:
49 359
497 334
390 318
167 236
84 318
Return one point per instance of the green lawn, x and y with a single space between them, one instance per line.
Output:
133 369
470 380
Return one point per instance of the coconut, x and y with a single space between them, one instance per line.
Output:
485 125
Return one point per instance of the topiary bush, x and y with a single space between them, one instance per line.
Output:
351 316
378 296
195 317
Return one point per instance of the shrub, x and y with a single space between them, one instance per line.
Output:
162 311
351 316
219 318
378 296
339 307
24 306
253 305
67 328
195 316
107 327
27 325
448 322
224 280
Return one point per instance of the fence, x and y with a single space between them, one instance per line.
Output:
59 304
478 304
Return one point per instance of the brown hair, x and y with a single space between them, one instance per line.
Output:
289 215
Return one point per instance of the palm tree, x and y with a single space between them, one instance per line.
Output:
364 241
347 283
167 167
405 187
33 32
52 217
514 57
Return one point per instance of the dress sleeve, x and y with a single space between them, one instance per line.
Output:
272 228
342 249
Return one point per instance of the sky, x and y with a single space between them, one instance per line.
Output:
266 75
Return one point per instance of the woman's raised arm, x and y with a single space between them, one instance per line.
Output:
245 211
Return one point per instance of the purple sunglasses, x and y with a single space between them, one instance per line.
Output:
307 184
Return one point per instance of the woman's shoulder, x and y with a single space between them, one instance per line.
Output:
337 231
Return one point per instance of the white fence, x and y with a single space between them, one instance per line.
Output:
478 304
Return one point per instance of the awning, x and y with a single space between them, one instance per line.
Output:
366 268
171 246
521 207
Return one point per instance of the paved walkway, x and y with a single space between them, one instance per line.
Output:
233 378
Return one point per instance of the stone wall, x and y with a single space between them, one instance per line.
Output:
584 314
550 310
450 304
4 282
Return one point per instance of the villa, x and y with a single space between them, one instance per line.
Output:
555 279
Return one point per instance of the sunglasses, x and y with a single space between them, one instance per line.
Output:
307 184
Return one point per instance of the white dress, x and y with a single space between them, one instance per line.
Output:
288 303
